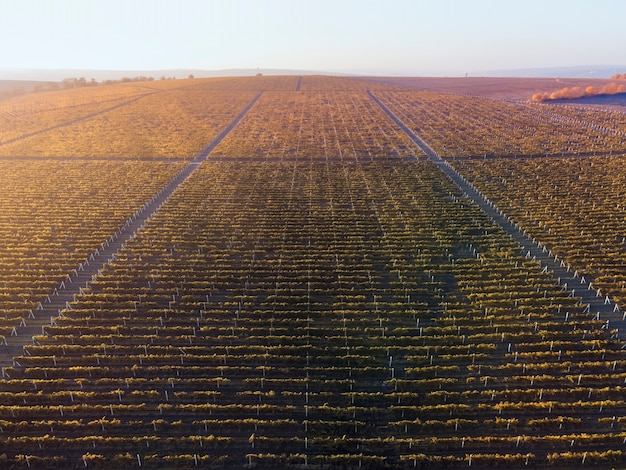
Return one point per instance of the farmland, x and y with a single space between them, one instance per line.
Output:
318 293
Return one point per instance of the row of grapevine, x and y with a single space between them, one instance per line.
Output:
585 116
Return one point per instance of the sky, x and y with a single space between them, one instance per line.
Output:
383 37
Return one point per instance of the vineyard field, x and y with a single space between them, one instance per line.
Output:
314 291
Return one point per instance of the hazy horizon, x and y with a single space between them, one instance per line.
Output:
401 37
18 76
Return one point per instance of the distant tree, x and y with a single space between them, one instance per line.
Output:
190 76
74 82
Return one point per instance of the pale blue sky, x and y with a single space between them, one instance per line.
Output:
417 37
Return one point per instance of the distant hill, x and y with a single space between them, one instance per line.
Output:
56 75
582 71
17 85
12 88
